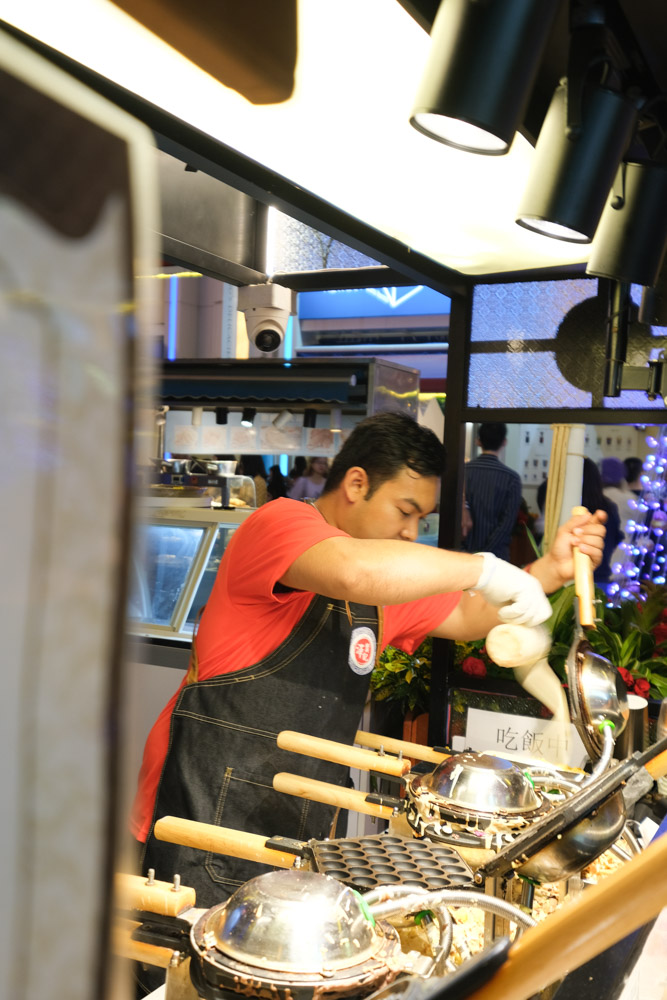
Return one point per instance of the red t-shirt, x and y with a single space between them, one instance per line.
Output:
246 619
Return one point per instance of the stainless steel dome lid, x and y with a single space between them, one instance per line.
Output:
294 921
479 782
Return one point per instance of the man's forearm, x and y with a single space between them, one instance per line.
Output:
546 570
374 571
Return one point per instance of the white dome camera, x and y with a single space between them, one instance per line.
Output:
267 308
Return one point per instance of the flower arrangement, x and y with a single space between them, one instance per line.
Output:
631 635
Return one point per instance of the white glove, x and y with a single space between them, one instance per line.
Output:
518 595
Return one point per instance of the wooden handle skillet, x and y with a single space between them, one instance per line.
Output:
341 753
220 840
332 795
417 751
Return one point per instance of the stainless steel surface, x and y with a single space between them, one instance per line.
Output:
480 782
597 694
569 853
635 735
603 692
294 921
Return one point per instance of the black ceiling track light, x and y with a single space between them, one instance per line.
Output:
597 158
248 416
631 239
480 72
575 164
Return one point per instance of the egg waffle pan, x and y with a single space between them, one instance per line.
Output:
366 862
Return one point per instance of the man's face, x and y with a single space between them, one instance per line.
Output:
396 507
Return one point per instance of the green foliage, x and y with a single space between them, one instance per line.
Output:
404 678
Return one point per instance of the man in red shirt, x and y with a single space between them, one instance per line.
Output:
305 599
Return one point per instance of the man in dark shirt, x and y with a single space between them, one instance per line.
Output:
493 494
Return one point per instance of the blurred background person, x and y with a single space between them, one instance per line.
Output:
541 500
253 466
593 498
617 490
297 470
493 493
466 518
277 483
310 485
633 470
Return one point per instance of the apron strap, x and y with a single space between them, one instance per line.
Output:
192 675
380 611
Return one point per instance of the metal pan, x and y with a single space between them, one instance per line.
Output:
362 862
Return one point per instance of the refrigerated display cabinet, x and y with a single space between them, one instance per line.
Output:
174 564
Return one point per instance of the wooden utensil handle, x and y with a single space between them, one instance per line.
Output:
657 767
603 915
332 795
340 753
134 892
584 586
124 945
220 840
414 750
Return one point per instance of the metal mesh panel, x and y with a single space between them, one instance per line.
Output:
525 379
525 310
542 345
299 247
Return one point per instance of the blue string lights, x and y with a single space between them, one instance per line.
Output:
642 552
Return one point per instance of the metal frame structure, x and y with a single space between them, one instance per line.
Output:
201 152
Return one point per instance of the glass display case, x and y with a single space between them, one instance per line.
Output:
174 566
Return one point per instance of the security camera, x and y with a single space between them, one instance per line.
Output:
267 309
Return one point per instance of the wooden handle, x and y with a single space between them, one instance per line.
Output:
133 892
604 914
340 753
584 586
332 795
138 951
657 767
414 750
220 840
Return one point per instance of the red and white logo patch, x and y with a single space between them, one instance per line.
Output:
363 646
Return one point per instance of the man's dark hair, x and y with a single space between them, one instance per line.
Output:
491 436
383 445
633 468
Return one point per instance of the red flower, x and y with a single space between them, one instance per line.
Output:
660 632
628 679
635 685
474 666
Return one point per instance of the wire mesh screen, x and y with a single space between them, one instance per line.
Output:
542 344
295 246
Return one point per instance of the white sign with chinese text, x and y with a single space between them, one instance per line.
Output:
521 735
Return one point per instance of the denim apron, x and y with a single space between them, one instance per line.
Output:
222 752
